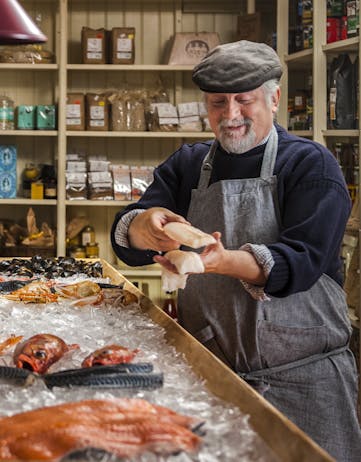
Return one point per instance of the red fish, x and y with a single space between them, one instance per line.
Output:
109 354
39 352
124 427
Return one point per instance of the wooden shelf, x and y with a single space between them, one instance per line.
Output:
300 59
100 203
28 133
114 134
343 133
28 67
129 67
342 46
28 202
303 133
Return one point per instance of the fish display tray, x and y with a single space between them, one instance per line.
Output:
286 440
195 381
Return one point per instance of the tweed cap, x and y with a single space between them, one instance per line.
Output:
237 67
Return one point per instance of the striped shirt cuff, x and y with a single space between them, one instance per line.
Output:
121 230
265 259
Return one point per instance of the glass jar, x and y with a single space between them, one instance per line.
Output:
88 235
6 113
92 250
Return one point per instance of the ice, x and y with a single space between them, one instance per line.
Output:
227 433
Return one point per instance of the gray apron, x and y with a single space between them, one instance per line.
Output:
293 350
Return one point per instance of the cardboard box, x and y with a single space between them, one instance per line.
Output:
122 45
75 111
190 48
25 117
7 185
8 158
249 27
45 117
93 46
97 112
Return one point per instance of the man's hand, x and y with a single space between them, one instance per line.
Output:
146 230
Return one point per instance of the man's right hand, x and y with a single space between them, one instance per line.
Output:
146 230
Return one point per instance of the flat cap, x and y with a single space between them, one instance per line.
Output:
237 67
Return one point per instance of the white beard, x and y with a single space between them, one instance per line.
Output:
231 142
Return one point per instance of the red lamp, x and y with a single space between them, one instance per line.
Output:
16 27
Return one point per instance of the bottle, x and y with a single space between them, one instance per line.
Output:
170 306
49 179
88 236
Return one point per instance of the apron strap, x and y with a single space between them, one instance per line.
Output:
207 165
254 375
270 154
268 162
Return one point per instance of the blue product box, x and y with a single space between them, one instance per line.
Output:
7 185
8 158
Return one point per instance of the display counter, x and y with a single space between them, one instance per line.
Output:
287 441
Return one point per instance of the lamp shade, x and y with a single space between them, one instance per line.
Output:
16 27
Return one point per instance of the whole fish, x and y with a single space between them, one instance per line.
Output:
12 284
109 354
39 352
126 428
15 376
106 380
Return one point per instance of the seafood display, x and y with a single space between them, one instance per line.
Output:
83 293
110 354
34 292
50 268
79 294
100 334
124 427
9 342
39 352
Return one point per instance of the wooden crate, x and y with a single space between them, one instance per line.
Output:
287 441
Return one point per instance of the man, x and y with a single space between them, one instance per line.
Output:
270 303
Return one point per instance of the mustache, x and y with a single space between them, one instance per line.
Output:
234 123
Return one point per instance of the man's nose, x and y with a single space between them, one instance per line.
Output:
232 110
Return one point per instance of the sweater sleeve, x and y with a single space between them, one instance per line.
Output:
314 211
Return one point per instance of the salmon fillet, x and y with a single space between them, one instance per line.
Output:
125 427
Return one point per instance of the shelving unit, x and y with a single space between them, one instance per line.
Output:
155 21
316 61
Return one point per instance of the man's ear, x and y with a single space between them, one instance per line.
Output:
276 100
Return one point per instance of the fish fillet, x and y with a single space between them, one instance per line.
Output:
185 262
188 235
125 427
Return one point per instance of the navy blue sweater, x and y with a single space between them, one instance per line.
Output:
313 200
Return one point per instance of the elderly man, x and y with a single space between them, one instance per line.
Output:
270 303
